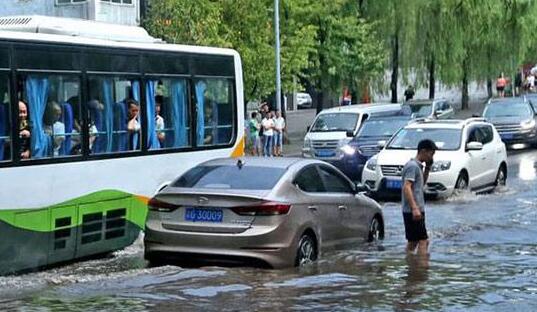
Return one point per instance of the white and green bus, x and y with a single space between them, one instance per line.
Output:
94 119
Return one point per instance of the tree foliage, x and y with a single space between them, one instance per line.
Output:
325 42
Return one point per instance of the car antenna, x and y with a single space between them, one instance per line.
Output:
240 163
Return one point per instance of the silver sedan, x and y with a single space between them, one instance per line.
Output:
275 212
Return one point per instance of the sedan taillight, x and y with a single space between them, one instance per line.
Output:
264 209
157 205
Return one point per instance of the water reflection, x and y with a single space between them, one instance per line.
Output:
415 285
526 169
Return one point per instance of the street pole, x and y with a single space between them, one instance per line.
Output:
277 34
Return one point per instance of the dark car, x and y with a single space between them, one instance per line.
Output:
375 132
514 118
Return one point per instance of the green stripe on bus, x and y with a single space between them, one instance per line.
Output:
46 219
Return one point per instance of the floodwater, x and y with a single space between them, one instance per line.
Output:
483 258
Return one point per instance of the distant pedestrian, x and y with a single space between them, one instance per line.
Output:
518 83
412 197
409 93
501 82
279 127
268 132
253 135
530 82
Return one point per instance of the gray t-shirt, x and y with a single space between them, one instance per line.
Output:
413 172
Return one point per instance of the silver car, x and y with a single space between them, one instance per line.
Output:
274 212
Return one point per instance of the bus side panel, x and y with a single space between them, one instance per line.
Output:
104 227
62 242
22 249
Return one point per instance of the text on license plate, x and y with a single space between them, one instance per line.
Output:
325 153
394 184
204 214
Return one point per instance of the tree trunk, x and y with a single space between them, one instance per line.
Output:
465 98
489 87
432 82
395 67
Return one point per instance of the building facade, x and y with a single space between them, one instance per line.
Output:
125 12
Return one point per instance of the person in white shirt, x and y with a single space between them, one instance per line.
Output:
279 126
133 125
268 125
159 125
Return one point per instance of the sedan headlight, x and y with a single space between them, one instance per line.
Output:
307 143
528 124
441 166
371 164
348 150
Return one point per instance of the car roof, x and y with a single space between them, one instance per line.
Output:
423 101
445 124
389 117
517 99
362 108
272 162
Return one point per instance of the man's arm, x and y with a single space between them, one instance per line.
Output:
409 196
426 173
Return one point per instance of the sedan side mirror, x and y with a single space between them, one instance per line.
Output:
474 146
361 188
381 144
350 134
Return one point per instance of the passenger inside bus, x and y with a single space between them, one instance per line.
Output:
24 131
133 124
95 109
159 121
54 127
209 122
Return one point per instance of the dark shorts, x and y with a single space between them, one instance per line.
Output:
414 230
500 88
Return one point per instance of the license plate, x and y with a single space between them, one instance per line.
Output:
394 184
204 215
325 153
506 136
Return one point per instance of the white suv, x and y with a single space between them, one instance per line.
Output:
470 155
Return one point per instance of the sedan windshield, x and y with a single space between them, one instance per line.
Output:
421 110
500 109
231 177
445 139
335 122
381 127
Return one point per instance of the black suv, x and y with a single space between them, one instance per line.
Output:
514 118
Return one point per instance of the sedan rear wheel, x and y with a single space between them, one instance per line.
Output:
306 251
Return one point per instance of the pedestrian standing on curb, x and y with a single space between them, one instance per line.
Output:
415 177
279 127
501 82
253 135
268 131
409 93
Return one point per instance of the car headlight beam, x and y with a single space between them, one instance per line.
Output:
348 150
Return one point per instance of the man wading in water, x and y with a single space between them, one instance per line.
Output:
413 201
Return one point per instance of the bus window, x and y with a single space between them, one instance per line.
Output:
53 116
5 125
114 115
214 106
168 116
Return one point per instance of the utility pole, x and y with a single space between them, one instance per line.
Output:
277 34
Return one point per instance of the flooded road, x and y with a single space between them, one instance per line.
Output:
483 258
